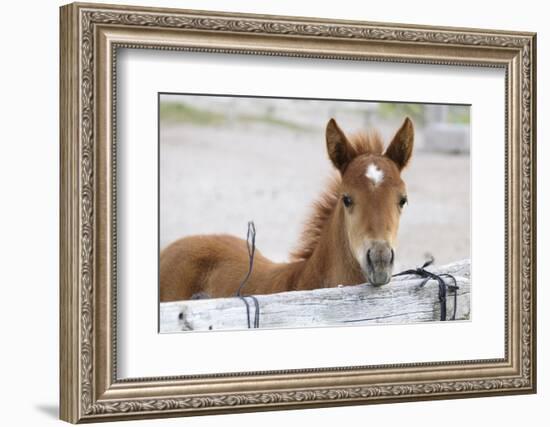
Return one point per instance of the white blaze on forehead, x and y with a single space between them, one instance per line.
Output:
374 173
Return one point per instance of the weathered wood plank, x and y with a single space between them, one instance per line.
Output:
401 301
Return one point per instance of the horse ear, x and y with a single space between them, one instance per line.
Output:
340 150
400 149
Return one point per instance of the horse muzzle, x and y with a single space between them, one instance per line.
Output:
379 263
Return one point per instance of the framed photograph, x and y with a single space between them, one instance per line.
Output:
304 257
266 212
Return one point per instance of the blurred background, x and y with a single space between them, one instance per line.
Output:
227 160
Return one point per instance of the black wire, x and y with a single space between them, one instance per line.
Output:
251 247
453 288
427 275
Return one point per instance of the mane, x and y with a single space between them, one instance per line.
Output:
363 143
367 143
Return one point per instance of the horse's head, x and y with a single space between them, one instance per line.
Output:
372 195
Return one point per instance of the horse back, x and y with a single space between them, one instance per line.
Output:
213 265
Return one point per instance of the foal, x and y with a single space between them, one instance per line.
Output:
348 240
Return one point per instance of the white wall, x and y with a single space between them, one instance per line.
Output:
29 170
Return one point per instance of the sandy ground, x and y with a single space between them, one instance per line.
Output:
214 180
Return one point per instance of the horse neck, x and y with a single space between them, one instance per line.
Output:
332 262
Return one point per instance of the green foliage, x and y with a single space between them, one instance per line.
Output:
459 115
455 114
179 112
389 110
271 120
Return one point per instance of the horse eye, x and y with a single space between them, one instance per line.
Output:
403 201
347 200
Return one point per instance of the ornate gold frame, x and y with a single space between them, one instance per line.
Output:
90 36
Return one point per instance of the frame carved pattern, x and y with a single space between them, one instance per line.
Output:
91 16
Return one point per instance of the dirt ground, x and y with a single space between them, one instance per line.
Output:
216 179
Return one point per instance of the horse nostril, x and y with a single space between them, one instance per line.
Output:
392 256
369 260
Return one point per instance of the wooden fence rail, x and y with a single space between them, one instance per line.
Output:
403 300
